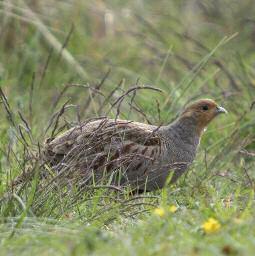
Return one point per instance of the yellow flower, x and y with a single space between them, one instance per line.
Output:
159 211
211 226
238 221
172 208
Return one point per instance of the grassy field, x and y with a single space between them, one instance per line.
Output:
62 62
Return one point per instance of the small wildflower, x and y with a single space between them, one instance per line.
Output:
172 208
238 221
159 211
211 226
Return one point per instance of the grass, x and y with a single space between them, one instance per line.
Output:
187 49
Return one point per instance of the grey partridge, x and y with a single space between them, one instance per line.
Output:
131 153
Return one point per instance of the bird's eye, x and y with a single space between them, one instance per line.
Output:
205 107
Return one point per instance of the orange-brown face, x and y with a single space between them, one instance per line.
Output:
203 111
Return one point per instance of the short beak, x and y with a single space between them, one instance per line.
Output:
220 110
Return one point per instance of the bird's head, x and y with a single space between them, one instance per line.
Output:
202 112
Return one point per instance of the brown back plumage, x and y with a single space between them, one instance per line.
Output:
130 153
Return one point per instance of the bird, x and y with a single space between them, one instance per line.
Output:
128 153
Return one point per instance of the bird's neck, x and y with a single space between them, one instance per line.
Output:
186 129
